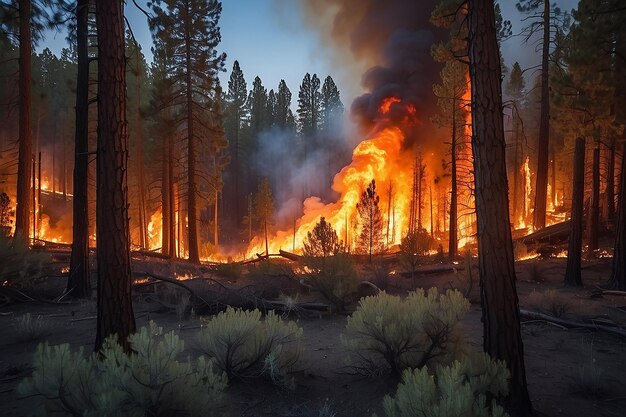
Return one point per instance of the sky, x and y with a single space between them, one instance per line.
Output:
270 40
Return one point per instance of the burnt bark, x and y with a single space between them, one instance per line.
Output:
543 146
500 307
618 275
115 308
23 207
594 213
165 200
453 243
574 249
78 284
610 184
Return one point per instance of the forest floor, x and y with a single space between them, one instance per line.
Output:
572 372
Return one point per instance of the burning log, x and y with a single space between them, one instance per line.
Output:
551 234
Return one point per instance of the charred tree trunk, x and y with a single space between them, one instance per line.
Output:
500 307
618 275
574 250
144 241
237 198
594 213
543 147
171 181
453 243
78 284
115 308
22 209
610 184
516 164
192 241
165 200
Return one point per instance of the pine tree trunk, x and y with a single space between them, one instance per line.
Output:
574 250
618 275
78 284
23 208
610 184
192 232
165 200
543 147
516 166
453 243
594 213
115 308
236 166
500 307
171 183
143 218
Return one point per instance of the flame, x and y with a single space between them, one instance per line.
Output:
525 215
155 230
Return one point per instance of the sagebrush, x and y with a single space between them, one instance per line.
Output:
468 388
148 382
245 346
334 277
388 334
29 328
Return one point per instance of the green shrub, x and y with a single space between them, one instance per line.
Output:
390 334
32 328
550 301
18 264
149 381
334 277
231 270
460 389
244 346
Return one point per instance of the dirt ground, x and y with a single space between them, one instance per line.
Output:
575 373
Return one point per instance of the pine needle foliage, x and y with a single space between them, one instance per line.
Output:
148 382
244 346
460 389
388 334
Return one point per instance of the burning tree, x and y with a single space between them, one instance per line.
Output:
5 211
322 241
264 209
370 221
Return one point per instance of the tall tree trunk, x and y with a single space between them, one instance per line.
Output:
516 165
144 241
572 271
78 284
216 235
541 188
23 207
610 184
171 182
594 213
500 307
618 275
165 200
192 248
453 243
237 198
115 307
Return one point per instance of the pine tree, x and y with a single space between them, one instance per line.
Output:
192 32
370 221
270 112
515 90
283 104
236 109
309 108
500 305
331 105
257 105
115 308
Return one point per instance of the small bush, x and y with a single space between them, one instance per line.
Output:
460 389
244 346
149 381
231 271
390 334
334 277
18 264
550 301
32 328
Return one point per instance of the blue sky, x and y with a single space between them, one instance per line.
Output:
272 42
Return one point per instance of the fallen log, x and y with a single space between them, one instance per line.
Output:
558 232
570 324
289 255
